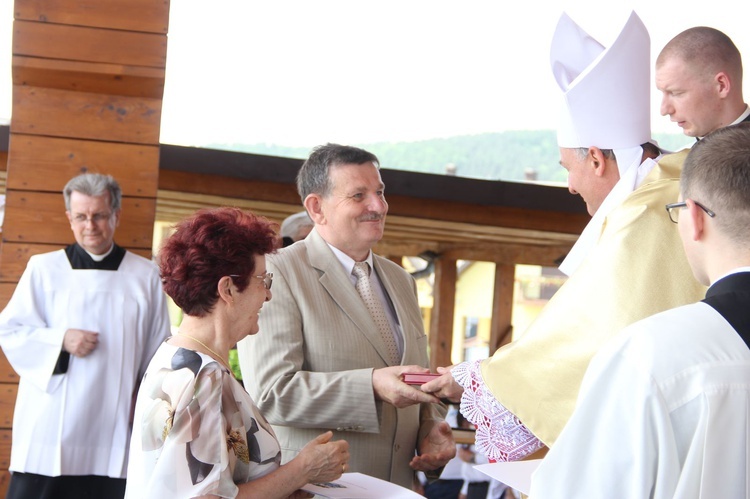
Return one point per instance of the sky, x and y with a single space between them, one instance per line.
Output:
301 73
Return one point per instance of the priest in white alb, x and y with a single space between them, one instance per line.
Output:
80 330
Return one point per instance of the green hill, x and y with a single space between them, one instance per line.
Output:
491 156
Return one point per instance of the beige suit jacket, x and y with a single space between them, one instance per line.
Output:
309 368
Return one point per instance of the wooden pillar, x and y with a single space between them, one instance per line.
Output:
88 80
443 306
501 328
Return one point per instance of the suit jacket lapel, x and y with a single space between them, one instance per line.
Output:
335 281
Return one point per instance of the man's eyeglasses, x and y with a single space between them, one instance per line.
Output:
267 278
96 218
674 214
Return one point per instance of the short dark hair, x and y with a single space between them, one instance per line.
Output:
314 177
94 184
211 244
716 173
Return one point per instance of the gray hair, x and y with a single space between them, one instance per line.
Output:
314 176
94 184
583 152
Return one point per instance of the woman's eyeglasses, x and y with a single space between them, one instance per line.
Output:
267 278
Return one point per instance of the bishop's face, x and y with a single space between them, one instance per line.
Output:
93 221
582 179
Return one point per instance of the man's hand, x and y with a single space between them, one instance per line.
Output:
389 386
79 342
436 449
444 387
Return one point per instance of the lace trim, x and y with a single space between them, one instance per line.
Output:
500 435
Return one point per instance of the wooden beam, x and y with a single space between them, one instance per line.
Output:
85 115
501 327
491 216
135 15
228 187
117 79
87 44
7 374
443 307
508 253
8 393
47 163
5 440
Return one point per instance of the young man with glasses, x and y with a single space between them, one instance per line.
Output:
80 330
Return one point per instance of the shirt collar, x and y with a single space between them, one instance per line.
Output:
348 262
99 258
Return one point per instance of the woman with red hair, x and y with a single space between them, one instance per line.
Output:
196 431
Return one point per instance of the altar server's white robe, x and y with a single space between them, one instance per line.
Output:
78 423
663 413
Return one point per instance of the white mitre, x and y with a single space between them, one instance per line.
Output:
606 104
606 101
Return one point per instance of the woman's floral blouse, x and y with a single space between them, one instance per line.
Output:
196 431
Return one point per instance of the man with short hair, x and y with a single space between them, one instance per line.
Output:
699 73
80 330
663 408
343 327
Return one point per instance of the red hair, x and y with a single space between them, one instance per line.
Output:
211 244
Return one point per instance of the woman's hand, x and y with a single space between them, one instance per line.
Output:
323 459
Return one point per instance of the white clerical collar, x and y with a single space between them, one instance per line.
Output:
99 258
743 115
348 262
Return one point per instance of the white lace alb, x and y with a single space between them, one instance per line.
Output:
500 435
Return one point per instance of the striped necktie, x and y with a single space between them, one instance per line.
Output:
375 307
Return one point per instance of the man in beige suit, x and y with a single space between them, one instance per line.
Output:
320 361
